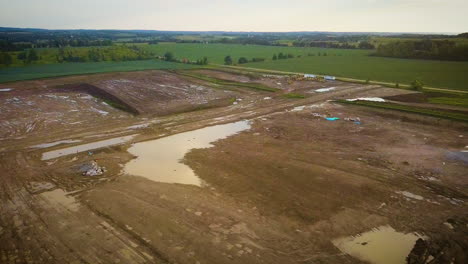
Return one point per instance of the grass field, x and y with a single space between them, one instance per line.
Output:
217 52
343 63
441 74
339 62
51 70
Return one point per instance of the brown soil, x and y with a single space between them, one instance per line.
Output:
277 193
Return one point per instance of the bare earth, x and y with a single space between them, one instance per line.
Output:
279 192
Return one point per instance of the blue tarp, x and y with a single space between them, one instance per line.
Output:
332 118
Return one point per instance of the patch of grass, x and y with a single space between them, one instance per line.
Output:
450 101
254 86
64 69
294 96
411 109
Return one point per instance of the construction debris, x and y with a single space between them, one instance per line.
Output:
93 169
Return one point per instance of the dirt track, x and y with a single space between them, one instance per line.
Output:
277 193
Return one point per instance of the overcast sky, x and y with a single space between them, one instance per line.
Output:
240 15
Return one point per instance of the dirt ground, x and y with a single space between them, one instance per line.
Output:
279 192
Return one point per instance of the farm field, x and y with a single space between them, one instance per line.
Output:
340 62
348 63
64 69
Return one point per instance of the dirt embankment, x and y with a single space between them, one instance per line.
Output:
97 92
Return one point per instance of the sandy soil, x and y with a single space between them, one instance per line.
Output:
277 193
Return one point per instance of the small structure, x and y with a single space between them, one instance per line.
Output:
310 75
329 78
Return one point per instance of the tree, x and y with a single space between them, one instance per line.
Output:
22 56
243 60
274 57
169 56
205 60
5 59
366 45
32 55
228 60
94 55
417 85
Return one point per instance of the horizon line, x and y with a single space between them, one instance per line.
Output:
234 31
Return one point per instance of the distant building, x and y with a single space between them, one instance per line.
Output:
330 78
309 75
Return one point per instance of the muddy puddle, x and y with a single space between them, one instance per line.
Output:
458 156
381 245
85 147
160 160
55 143
59 197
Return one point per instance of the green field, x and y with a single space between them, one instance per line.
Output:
441 74
339 62
217 52
51 70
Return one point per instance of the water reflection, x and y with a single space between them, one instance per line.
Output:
159 160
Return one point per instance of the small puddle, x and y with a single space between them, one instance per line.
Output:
51 144
60 198
459 156
410 195
370 99
85 147
323 90
298 108
159 160
381 245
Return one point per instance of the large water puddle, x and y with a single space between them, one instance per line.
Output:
381 245
85 147
160 159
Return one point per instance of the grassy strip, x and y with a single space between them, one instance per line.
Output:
411 109
65 69
229 83
463 102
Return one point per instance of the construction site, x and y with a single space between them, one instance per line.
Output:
226 166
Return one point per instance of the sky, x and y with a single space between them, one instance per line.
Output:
448 16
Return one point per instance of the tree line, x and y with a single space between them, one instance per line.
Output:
113 53
229 61
424 49
169 56
334 45
6 45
